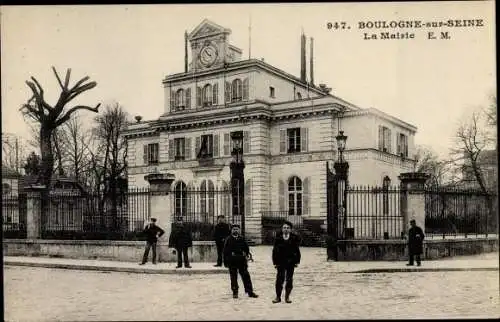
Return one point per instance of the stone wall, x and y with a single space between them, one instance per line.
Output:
129 251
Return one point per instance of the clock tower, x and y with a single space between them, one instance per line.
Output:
210 47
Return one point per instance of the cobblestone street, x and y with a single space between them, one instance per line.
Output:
44 294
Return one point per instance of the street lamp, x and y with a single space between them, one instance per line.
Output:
337 213
237 167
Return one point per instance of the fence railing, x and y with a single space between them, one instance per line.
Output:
371 213
14 207
455 212
96 216
311 230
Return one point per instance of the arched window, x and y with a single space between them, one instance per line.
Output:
180 192
225 197
237 87
207 194
294 196
179 98
207 95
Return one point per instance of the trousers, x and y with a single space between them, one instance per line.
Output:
220 247
149 245
284 273
182 253
245 276
416 256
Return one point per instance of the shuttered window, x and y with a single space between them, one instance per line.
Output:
281 190
248 198
295 201
215 94
246 142
151 153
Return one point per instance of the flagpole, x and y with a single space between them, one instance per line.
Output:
250 37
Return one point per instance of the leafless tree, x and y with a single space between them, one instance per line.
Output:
440 170
14 151
52 117
110 163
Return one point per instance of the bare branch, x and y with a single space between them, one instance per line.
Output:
58 78
81 81
67 116
66 81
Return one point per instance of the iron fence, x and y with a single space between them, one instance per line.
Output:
200 208
96 216
457 212
371 213
311 230
14 207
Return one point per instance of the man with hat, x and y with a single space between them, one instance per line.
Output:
181 240
152 232
236 254
415 243
221 231
286 256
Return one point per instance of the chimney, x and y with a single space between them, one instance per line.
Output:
311 66
303 58
185 51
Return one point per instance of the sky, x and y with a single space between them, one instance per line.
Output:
129 49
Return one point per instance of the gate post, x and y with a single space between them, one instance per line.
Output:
413 201
159 200
34 212
331 215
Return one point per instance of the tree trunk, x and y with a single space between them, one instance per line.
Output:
45 175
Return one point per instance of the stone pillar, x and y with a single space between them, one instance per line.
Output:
413 198
34 212
160 201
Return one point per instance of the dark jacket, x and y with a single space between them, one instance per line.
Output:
235 252
152 232
221 231
415 240
180 237
286 252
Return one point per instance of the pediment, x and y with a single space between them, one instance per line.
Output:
207 28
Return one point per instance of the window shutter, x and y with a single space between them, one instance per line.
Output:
389 144
188 98
245 89
228 92
215 94
305 197
248 198
187 149
172 100
216 145
227 138
304 139
380 138
198 96
145 155
406 146
171 149
282 141
246 142
197 145
282 195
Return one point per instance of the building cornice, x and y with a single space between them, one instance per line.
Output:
382 115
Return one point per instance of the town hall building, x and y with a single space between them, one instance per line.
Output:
289 126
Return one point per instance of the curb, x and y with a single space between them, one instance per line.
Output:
118 269
410 270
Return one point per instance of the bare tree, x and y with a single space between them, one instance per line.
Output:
77 144
440 170
51 117
14 151
111 162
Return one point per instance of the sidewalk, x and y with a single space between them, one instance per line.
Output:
313 261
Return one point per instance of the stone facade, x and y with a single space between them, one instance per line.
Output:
289 128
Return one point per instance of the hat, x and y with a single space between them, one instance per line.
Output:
153 219
235 225
288 223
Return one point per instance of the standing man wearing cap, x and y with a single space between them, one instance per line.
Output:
236 254
221 231
415 243
286 256
152 232
181 240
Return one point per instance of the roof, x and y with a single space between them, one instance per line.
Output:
9 173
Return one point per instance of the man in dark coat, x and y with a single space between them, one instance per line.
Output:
181 240
286 256
152 232
415 243
236 253
221 231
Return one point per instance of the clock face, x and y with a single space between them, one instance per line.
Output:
208 55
